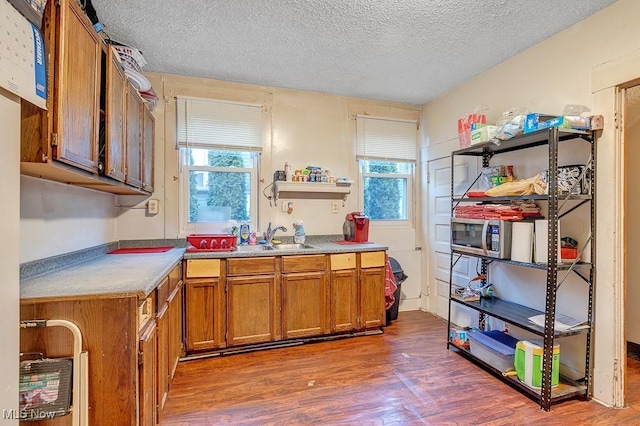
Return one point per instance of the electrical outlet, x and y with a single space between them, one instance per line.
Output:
335 206
285 206
152 206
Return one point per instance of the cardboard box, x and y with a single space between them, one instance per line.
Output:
536 121
483 134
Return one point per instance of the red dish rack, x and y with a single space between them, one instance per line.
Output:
212 242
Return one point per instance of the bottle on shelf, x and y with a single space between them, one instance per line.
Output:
287 171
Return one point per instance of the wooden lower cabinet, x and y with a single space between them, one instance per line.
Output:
304 304
110 335
344 300
175 328
163 321
147 384
372 282
253 310
305 310
344 292
204 314
242 301
129 341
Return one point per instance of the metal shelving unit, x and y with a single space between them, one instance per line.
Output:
518 314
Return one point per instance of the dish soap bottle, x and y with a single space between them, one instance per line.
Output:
299 235
244 234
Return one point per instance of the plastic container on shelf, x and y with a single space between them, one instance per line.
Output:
493 347
528 363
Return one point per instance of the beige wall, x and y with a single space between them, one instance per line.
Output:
57 218
306 128
553 73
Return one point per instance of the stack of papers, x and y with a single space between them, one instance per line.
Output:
562 322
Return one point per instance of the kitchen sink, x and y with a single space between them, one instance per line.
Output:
264 247
259 247
292 247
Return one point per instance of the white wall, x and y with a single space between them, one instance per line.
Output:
9 263
544 78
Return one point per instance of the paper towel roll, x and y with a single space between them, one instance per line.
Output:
522 241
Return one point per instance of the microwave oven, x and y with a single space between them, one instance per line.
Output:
484 237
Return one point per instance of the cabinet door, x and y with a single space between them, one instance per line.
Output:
344 300
148 136
253 310
134 134
304 299
372 312
175 329
115 139
162 359
76 89
147 376
204 319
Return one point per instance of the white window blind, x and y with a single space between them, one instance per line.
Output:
386 139
205 123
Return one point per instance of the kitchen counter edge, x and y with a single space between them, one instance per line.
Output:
129 275
318 248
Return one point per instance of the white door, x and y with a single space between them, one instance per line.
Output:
466 170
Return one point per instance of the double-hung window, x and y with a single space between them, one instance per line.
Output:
386 150
220 144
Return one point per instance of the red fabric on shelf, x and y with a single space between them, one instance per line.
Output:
141 250
389 284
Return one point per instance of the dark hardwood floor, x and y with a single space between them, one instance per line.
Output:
404 376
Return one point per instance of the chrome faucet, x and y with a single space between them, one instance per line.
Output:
268 235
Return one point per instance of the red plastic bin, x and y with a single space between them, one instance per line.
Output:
212 242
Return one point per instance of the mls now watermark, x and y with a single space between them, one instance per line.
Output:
24 414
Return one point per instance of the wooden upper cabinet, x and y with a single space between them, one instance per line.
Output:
148 136
134 138
81 138
116 95
76 89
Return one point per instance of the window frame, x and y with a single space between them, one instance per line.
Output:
410 193
205 111
187 227
391 140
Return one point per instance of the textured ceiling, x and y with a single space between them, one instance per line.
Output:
398 50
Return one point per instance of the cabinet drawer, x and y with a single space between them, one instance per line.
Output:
371 259
162 293
249 266
175 276
201 268
306 263
146 311
343 261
